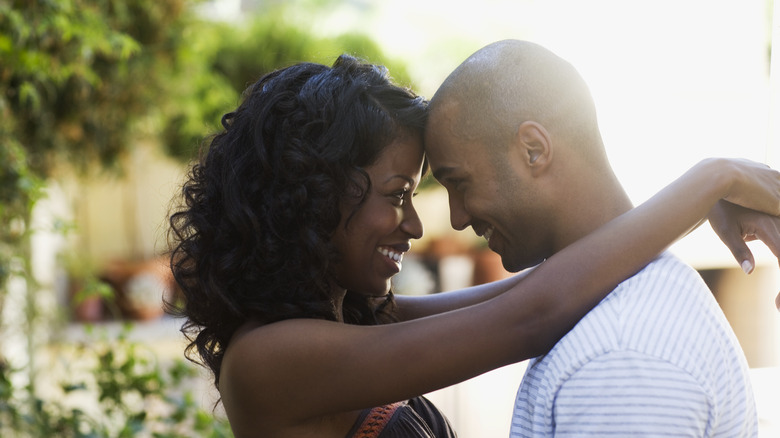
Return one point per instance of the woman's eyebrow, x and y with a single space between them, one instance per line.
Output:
404 177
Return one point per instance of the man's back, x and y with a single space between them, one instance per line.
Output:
657 356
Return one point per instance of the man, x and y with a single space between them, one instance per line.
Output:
513 136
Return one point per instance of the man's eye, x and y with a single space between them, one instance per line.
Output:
456 184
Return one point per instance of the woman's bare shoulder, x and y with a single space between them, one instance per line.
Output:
255 346
269 375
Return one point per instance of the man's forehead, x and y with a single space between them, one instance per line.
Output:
444 110
444 140
441 128
446 156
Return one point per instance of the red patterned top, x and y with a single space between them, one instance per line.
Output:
416 418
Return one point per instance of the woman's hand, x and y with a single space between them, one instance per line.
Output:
753 185
752 211
736 225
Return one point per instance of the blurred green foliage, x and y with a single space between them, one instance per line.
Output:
77 75
222 59
81 83
83 80
109 388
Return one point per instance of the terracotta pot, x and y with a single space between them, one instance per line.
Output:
89 309
140 287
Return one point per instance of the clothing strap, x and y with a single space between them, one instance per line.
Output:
376 420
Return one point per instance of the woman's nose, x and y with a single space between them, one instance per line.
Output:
411 224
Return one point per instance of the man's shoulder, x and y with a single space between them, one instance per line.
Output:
663 310
664 271
662 325
663 284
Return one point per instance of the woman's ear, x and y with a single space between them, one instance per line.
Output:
537 146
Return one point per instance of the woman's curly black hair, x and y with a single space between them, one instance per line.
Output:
252 238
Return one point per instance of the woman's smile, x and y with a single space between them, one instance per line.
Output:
376 232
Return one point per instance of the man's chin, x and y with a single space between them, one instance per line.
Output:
514 265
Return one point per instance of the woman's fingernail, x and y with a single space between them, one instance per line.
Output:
747 266
777 302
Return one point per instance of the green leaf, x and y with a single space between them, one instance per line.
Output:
28 95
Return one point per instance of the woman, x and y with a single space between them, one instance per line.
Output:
296 219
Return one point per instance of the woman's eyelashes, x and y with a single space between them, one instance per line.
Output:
401 196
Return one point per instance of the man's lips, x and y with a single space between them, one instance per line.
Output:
487 233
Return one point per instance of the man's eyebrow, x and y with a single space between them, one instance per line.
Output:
442 172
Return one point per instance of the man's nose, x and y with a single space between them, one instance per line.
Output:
459 218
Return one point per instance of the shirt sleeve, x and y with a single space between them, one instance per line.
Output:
630 394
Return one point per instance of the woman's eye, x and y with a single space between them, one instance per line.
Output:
400 196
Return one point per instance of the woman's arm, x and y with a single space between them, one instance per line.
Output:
315 367
418 306
733 224
623 246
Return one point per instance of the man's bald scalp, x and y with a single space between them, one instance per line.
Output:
509 82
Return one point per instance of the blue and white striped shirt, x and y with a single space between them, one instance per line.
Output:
655 358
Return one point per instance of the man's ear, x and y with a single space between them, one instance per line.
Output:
537 146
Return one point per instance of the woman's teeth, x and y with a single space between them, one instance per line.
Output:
397 256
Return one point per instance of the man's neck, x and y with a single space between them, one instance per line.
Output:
594 210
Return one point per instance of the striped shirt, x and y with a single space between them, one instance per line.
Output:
655 358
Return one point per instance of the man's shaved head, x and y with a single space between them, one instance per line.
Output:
512 135
510 82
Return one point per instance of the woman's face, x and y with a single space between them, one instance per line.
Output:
371 243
